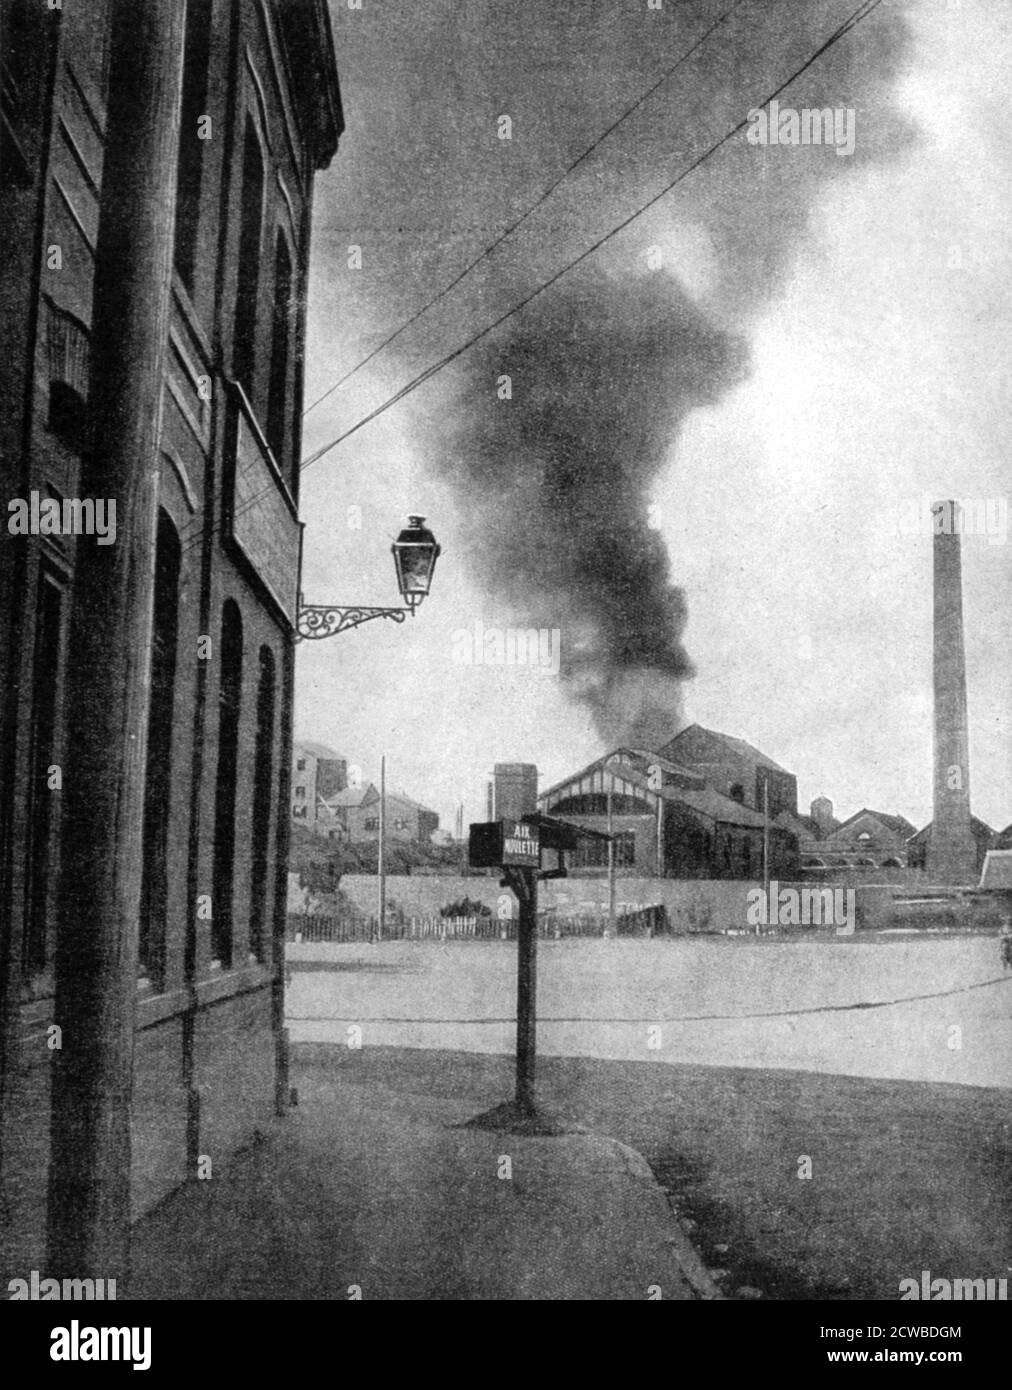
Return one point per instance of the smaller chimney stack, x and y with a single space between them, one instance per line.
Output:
516 790
822 813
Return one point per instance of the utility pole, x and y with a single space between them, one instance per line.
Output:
380 865
524 883
109 656
766 837
611 858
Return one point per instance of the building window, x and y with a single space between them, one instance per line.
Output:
300 765
244 346
372 823
158 778
191 148
42 817
300 793
737 792
229 702
590 854
625 849
401 825
69 351
278 396
262 783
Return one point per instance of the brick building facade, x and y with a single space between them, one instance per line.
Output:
250 111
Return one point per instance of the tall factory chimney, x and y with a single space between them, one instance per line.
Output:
951 851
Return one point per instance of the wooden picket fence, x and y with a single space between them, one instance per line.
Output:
302 927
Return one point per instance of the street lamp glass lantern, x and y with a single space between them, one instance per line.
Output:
415 554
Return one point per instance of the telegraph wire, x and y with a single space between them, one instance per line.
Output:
542 198
518 222
655 1019
861 13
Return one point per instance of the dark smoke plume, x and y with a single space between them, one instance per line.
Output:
603 373
607 364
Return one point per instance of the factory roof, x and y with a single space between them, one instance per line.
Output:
899 825
632 764
715 806
734 745
981 830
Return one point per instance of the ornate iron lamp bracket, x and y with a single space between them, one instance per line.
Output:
327 620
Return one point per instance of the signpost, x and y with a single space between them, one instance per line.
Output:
516 847
504 844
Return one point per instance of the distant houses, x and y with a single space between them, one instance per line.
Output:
317 774
323 802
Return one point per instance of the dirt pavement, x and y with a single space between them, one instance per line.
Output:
370 1190
905 1176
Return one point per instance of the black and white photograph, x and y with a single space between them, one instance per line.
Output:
506 667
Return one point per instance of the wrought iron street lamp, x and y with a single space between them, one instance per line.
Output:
415 553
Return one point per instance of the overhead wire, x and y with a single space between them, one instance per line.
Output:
856 17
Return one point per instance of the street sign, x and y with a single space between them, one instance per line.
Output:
504 844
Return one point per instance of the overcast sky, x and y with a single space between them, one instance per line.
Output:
857 312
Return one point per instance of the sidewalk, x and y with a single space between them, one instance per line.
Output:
363 1186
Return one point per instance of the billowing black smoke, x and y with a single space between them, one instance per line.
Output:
601 374
606 365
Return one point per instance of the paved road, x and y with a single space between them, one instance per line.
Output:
680 1001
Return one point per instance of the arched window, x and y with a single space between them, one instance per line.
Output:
229 704
191 149
244 346
278 395
263 784
158 777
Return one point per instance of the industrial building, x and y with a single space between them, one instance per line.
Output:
735 769
667 821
